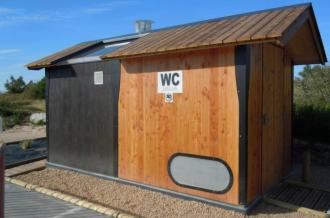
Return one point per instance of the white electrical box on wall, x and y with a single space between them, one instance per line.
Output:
98 78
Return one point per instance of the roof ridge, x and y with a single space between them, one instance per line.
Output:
233 16
209 20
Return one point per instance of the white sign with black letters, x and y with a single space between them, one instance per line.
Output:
170 82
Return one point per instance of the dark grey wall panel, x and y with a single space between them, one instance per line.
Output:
242 68
83 116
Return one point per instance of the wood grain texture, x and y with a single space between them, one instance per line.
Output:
274 123
287 116
255 123
302 47
203 120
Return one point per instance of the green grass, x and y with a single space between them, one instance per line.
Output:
16 108
26 144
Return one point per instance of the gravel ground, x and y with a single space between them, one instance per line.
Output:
136 200
24 132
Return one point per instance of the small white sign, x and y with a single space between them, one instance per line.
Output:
98 78
170 82
169 97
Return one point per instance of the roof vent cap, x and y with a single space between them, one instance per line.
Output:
143 26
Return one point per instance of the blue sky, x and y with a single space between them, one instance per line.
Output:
30 29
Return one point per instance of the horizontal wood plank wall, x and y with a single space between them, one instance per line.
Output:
273 105
288 109
203 120
254 123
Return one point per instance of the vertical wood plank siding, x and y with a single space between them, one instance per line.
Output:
83 117
277 106
203 120
254 124
287 116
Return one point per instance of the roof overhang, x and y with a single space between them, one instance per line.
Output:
73 51
303 40
293 27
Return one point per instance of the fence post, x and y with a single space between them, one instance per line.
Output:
1 124
306 174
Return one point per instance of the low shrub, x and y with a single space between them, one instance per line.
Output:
40 123
15 113
312 122
26 144
35 90
14 85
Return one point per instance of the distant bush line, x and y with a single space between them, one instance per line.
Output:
312 122
34 90
21 100
312 104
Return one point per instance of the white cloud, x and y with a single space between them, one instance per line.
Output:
4 10
8 51
9 16
108 7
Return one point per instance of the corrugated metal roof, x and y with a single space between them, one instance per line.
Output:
267 25
49 60
272 25
69 52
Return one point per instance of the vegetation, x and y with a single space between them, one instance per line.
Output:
26 144
15 85
21 100
312 104
35 90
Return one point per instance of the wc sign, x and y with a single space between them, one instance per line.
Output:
169 82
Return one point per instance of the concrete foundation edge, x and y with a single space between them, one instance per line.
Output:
68 198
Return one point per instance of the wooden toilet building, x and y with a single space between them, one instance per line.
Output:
204 110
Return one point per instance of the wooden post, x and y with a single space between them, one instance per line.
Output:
306 166
1 124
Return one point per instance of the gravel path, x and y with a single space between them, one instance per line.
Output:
136 200
20 133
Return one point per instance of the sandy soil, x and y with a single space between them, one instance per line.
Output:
136 200
19 133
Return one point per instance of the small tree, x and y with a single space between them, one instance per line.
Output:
40 89
313 85
15 85
312 110
36 90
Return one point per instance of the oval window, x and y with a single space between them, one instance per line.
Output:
200 172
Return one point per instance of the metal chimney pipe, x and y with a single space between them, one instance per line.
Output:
143 26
